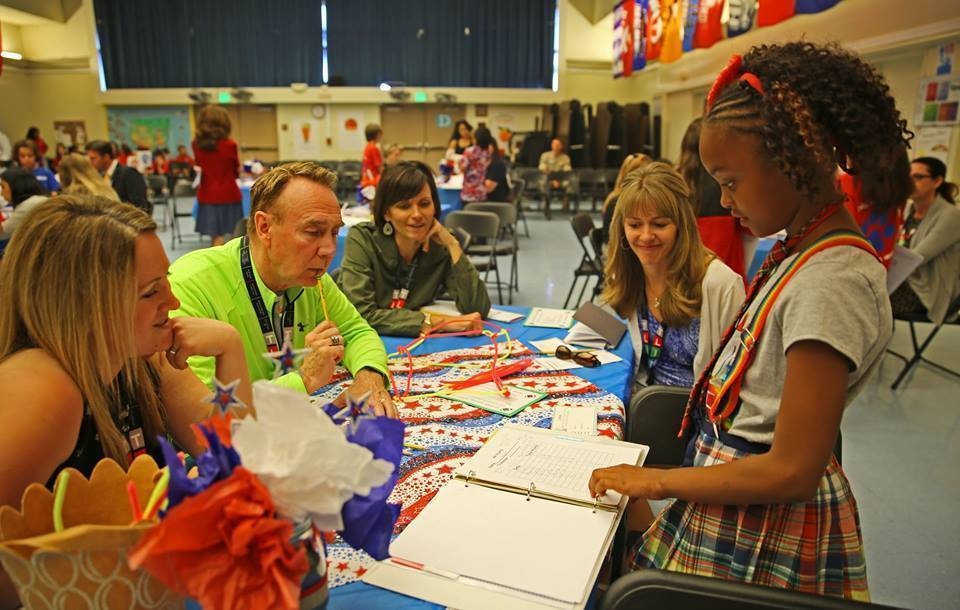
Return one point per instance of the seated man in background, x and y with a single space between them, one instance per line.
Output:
267 285
555 160
126 181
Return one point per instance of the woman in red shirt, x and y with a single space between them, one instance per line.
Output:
219 196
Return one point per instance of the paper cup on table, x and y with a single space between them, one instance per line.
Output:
85 565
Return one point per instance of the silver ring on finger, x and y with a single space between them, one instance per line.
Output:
336 340
173 351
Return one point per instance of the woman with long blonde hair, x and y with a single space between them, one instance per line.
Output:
79 177
676 295
91 363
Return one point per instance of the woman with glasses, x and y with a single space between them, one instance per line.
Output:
931 228
676 295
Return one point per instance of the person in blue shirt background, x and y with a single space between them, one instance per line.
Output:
26 154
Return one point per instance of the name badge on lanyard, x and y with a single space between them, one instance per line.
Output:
264 317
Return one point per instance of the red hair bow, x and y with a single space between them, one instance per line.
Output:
731 72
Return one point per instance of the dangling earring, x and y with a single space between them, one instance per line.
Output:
387 229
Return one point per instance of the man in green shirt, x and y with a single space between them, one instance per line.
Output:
256 282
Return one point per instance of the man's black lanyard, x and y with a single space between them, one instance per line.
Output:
264 317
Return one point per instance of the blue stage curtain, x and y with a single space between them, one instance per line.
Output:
209 43
424 43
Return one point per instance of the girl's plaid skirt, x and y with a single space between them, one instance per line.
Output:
813 547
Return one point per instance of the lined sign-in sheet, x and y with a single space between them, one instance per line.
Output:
553 462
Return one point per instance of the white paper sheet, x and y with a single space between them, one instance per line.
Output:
902 264
575 420
538 546
549 318
549 346
554 463
500 315
486 396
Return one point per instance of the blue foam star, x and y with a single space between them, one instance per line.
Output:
284 360
224 397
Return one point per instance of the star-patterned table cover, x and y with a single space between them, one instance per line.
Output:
450 432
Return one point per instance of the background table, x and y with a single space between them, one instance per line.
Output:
428 470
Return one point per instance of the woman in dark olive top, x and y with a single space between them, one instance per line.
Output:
405 258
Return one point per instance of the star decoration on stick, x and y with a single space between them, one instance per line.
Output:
284 360
224 396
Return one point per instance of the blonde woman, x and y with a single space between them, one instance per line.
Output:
91 363
630 163
79 177
677 296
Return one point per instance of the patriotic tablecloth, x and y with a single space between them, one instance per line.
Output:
450 431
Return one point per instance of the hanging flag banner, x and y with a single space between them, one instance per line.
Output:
639 20
654 30
709 27
771 12
742 15
671 13
805 7
690 24
619 38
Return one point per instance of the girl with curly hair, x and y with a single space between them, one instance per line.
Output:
766 500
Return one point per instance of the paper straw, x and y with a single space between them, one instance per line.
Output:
134 501
158 495
323 300
60 495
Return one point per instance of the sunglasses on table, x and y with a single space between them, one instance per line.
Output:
583 358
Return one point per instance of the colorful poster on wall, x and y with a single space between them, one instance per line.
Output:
690 24
933 142
805 7
709 28
742 15
149 133
946 58
70 133
148 127
348 126
939 102
771 12
306 138
671 12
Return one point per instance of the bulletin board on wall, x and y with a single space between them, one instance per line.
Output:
149 127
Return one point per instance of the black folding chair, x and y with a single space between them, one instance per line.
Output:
485 227
516 198
181 190
953 314
158 194
590 265
593 185
568 188
507 244
661 589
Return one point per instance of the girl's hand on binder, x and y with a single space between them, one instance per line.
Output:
632 481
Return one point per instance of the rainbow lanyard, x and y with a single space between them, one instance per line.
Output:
653 348
723 389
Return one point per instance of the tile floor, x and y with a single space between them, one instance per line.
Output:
901 449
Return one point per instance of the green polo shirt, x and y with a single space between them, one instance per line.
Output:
209 284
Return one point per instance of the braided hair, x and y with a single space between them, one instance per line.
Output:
821 106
